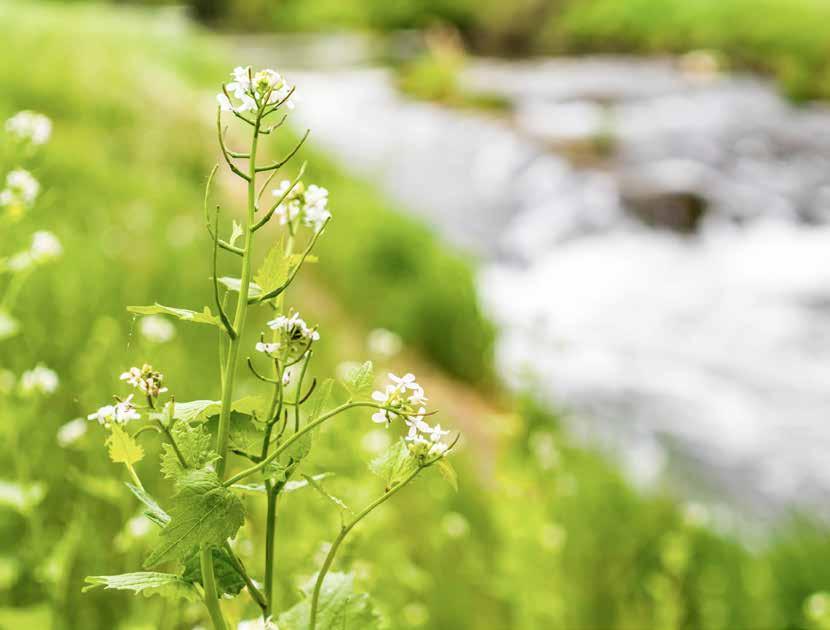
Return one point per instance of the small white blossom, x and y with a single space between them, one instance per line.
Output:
267 348
399 396
45 247
71 432
257 624
21 189
145 379
30 127
157 329
38 380
253 89
295 336
384 343
310 204
119 413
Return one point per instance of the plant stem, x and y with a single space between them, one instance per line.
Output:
270 532
223 432
256 595
310 426
344 531
211 596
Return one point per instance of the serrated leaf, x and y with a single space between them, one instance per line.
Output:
394 464
204 317
274 269
228 579
194 444
359 381
9 326
286 464
154 511
203 512
123 448
196 410
147 583
448 473
338 607
235 284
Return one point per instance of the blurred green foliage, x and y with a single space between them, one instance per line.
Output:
542 534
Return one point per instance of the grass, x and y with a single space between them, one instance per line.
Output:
552 536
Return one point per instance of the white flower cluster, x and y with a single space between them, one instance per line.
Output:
30 127
405 398
119 413
45 247
21 189
309 203
38 380
255 90
295 337
146 380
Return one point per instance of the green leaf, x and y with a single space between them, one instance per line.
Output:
235 284
359 381
154 511
123 448
9 326
22 497
203 512
448 473
196 410
394 464
205 317
284 466
321 399
194 444
228 579
147 583
252 406
290 486
274 270
339 607
338 503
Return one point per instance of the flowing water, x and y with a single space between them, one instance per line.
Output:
654 247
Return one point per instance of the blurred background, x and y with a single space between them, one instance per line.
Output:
597 230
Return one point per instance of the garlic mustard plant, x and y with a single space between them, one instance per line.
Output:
207 465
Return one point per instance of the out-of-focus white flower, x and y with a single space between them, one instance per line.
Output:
139 526
45 247
21 189
455 525
145 379
255 89
38 380
309 203
257 624
384 343
119 413
71 432
156 329
30 127
267 348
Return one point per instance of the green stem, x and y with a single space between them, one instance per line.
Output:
211 596
223 432
309 427
270 534
256 595
344 531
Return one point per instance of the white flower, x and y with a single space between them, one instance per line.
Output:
145 379
267 348
20 262
309 203
384 342
71 432
30 127
295 336
38 380
45 247
404 396
257 624
224 102
119 413
157 329
252 89
21 189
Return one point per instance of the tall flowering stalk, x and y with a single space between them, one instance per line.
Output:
206 511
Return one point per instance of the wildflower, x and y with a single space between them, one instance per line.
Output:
145 379
310 204
404 396
21 189
38 380
45 247
157 329
295 336
120 413
252 90
71 432
30 127
384 342
257 624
